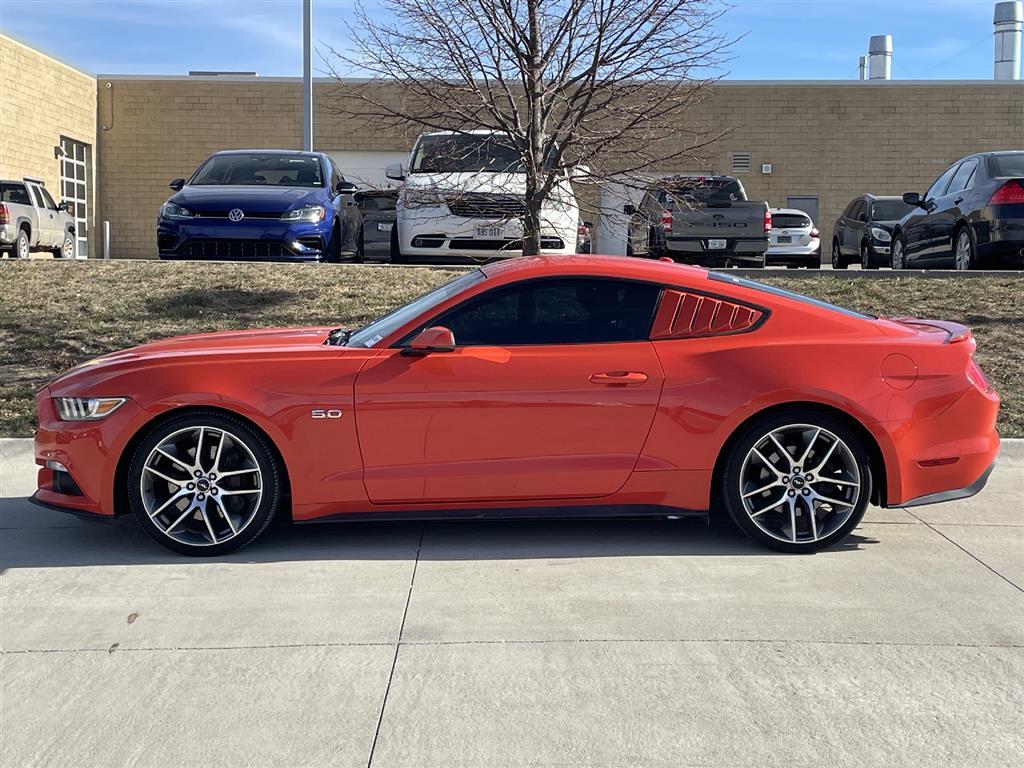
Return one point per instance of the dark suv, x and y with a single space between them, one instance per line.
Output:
863 232
973 214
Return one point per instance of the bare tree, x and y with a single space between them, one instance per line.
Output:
598 86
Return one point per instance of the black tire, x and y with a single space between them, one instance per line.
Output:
333 254
866 262
898 253
797 419
969 260
838 260
240 431
21 248
360 255
397 257
67 248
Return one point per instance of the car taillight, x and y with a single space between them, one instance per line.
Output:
5 217
767 221
1010 192
815 232
977 377
666 220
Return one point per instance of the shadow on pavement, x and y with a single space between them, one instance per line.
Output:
59 541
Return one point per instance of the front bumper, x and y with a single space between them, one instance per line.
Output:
433 232
246 240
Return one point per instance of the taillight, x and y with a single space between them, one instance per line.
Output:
1010 192
815 232
767 221
666 220
977 378
4 216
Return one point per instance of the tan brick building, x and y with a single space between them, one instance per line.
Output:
48 129
826 141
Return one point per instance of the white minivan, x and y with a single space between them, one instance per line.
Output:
463 195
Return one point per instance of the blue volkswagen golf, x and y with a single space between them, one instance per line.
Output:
260 205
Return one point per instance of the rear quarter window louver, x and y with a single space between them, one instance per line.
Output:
683 315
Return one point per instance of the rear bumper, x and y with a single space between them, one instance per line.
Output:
959 493
695 250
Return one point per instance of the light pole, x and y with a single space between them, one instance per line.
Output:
307 75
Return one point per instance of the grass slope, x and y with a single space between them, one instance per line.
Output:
55 315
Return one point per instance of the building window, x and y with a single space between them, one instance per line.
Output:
75 166
740 162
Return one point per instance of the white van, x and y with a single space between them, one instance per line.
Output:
463 196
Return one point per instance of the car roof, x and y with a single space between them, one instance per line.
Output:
791 210
624 267
473 131
296 152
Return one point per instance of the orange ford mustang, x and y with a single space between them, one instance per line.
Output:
536 386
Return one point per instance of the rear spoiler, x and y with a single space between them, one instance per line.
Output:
954 331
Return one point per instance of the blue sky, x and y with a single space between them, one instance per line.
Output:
778 39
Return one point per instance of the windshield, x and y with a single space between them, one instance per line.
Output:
466 153
391 322
260 170
789 221
724 278
889 210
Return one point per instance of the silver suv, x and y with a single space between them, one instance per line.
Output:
31 221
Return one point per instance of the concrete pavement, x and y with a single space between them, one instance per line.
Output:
589 643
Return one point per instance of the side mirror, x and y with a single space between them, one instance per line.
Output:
345 187
628 209
62 205
394 171
177 184
434 339
913 198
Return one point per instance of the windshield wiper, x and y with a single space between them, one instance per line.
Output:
338 337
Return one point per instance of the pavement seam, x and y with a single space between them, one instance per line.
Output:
966 551
564 641
398 645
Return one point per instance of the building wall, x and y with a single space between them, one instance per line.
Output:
42 99
833 140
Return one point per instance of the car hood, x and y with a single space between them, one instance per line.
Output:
254 200
486 183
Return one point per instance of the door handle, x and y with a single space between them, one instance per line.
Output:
620 378
958 201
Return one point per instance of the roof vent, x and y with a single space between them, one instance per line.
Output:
880 58
740 162
1008 20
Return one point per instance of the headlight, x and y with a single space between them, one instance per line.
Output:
881 235
417 198
312 213
174 211
87 408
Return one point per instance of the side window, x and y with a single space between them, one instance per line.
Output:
858 210
47 199
335 176
562 311
848 213
37 199
938 189
962 178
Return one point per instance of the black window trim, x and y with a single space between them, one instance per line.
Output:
765 313
436 319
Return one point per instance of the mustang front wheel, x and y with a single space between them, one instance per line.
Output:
797 482
204 484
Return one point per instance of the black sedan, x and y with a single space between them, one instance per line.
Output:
863 233
972 215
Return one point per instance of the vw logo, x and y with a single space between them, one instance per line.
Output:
236 214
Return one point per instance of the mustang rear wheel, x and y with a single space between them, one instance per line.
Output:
797 482
204 484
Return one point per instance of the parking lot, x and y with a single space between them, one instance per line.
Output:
476 644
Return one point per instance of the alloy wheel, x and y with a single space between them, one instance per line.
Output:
800 483
837 258
897 254
68 249
22 247
201 486
865 257
963 250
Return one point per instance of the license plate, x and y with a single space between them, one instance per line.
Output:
716 245
785 239
489 233
384 226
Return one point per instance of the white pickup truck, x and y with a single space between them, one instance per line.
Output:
31 221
